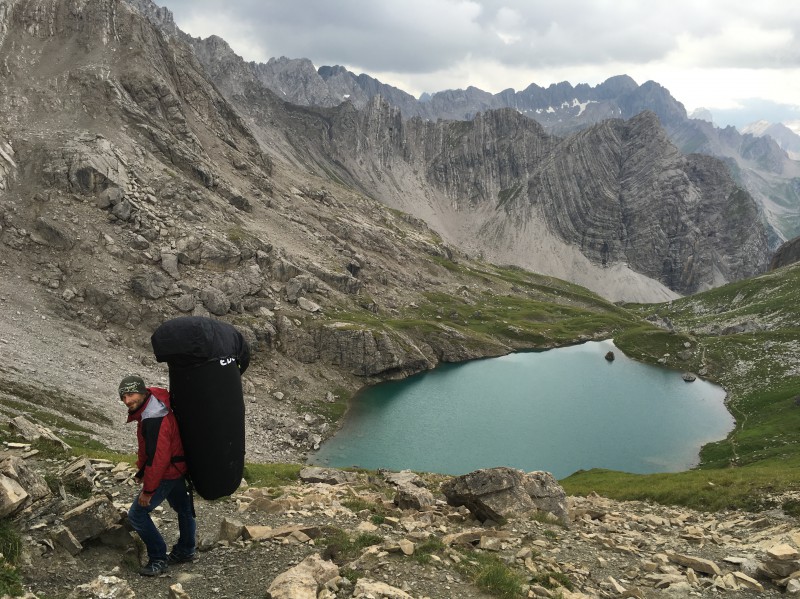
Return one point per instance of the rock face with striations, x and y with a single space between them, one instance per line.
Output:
619 191
761 165
611 204
132 190
622 193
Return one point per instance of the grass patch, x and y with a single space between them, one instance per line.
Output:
500 306
748 487
350 574
11 549
423 551
332 411
10 581
80 446
491 574
359 504
272 475
651 342
238 236
342 548
10 541
745 336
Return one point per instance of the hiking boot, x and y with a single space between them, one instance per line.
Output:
180 558
154 568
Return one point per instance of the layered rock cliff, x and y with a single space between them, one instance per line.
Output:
619 193
759 165
456 174
788 253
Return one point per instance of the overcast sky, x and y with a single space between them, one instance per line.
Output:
738 58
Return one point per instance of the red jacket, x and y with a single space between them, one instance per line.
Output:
160 455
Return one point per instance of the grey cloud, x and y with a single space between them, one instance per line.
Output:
347 32
419 36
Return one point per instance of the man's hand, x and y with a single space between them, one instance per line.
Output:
144 499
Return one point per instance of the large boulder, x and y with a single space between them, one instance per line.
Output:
490 493
215 300
91 518
29 479
150 284
547 495
412 497
49 232
499 493
12 496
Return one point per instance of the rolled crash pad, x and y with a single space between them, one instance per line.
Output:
192 340
206 358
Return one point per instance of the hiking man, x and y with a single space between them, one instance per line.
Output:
162 474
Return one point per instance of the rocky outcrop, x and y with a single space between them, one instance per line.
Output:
623 193
788 253
7 164
306 579
362 351
499 493
561 108
787 140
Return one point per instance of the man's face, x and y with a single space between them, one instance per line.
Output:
133 400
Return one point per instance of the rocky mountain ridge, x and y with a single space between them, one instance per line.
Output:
459 175
134 191
760 164
788 140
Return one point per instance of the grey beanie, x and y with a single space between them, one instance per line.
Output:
132 384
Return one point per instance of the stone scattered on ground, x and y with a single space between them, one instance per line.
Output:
339 534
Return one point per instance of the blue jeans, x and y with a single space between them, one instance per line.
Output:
176 494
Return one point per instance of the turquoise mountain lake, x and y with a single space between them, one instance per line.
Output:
561 410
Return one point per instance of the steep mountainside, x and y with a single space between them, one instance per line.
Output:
132 190
760 164
457 174
788 140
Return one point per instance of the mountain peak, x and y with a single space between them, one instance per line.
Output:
327 72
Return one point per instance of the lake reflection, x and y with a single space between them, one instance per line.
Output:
561 410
